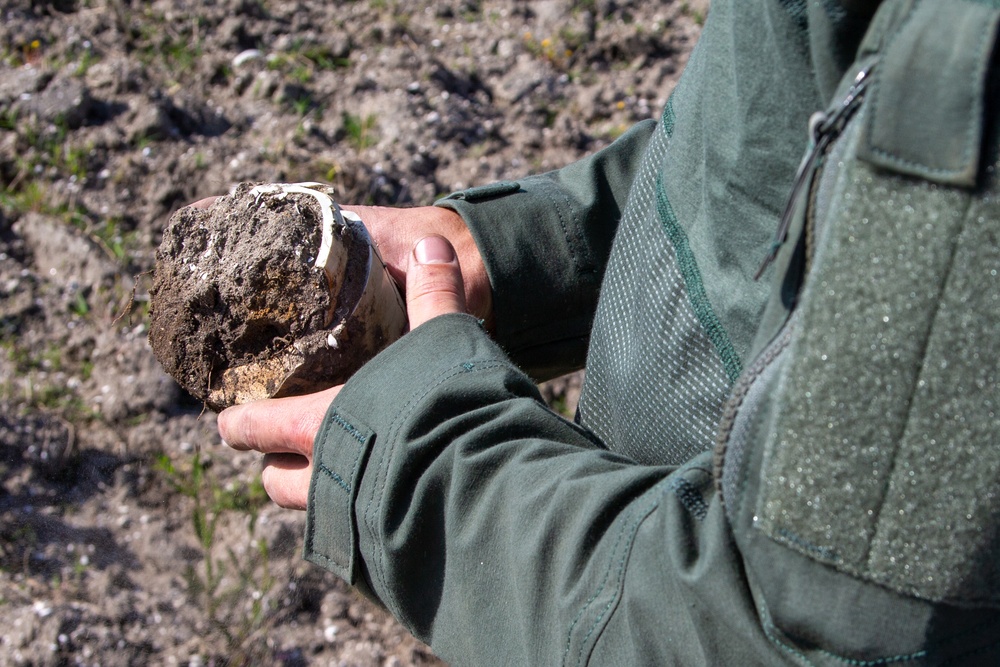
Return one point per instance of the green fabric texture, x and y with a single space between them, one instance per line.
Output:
926 113
650 354
810 606
678 311
545 245
856 371
943 495
688 267
734 149
556 549
835 31
339 468
878 504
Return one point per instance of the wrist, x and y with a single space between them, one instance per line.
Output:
478 291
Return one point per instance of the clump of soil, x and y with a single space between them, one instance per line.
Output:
269 292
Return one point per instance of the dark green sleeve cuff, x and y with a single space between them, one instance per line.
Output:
344 441
340 450
545 240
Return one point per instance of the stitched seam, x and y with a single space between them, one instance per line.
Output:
763 362
312 529
970 141
823 552
768 626
594 596
352 546
875 95
697 297
325 559
378 569
879 661
336 478
357 455
565 230
776 348
657 490
784 647
344 424
396 426
668 118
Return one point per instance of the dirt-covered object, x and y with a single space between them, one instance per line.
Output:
272 291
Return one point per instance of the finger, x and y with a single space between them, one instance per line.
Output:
433 281
277 425
286 478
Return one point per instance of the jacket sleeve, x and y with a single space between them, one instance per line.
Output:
501 533
545 240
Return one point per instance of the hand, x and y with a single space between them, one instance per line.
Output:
283 429
396 230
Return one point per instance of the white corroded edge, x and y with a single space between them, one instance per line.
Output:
332 215
331 212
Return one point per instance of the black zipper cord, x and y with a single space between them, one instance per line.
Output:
823 129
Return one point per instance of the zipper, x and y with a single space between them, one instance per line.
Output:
740 390
823 130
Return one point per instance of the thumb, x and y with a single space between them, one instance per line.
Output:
433 281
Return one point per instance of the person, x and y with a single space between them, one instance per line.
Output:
799 469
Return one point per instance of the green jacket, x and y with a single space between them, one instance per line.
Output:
798 470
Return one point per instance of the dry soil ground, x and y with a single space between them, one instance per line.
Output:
128 535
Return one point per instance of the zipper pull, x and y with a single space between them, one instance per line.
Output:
817 144
823 129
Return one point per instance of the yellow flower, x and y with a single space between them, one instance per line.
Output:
620 105
35 44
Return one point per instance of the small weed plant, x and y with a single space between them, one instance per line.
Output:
35 381
224 579
557 52
361 132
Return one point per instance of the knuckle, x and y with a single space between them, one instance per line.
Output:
436 278
304 428
250 429
436 285
435 296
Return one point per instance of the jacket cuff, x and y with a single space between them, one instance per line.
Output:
525 233
545 241
339 452
380 391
